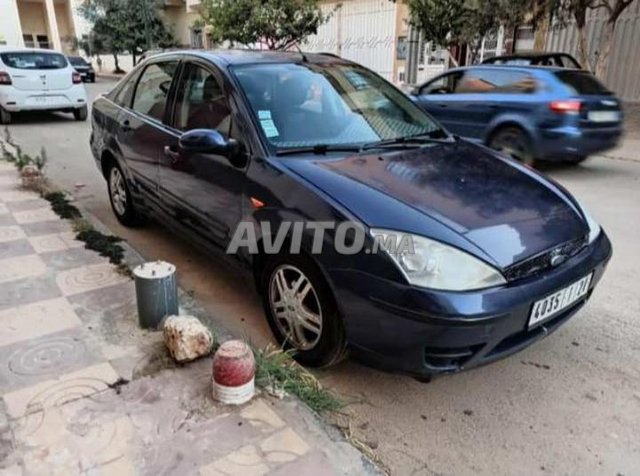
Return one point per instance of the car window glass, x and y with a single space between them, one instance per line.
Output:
153 89
581 82
124 94
444 85
201 102
496 81
33 60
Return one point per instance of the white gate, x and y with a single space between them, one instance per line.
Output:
359 30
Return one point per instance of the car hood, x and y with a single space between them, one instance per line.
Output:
460 193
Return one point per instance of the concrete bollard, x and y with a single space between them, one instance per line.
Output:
234 369
156 293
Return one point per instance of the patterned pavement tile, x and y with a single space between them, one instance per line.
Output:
88 278
15 248
46 228
28 290
27 205
311 464
284 446
16 196
7 220
3 209
245 461
68 259
43 358
10 233
55 242
12 269
35 320
56 392
35 215
7 167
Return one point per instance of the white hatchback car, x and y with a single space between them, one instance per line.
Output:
37 80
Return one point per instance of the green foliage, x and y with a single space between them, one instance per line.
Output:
276 370
12 152
62 206
280 24
119 26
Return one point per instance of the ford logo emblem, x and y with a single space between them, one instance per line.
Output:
557 260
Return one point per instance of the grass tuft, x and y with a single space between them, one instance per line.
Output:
277 370
62 206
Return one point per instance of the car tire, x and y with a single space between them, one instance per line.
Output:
81 114
576 159
120 198
321 341
514 142
5 116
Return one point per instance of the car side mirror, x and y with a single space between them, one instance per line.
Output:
208 141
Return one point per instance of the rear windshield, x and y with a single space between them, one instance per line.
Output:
33 60
582 82
77 61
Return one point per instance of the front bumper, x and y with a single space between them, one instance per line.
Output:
556 144
401 328
67 99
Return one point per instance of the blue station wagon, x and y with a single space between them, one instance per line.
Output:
211 142
529 112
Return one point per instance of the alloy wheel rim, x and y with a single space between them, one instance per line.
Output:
512 145
118 192
295 307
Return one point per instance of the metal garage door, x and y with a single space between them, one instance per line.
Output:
360 30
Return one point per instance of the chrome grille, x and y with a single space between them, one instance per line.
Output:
542 261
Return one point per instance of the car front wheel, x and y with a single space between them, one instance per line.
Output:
301 310
514 142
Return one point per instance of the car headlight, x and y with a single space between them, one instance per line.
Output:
594 227
431 264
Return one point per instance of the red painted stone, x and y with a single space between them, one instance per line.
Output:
233 364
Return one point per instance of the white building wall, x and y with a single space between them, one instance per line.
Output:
10 30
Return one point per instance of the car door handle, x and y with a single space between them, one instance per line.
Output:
442 105
172 153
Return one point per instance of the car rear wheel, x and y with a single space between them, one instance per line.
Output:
5 116
80 114
575 160
514 142
120 198
302 311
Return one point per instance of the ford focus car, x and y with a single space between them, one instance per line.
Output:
211 143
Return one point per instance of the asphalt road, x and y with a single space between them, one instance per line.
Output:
568 405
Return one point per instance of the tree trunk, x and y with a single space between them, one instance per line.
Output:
606 40
583 51
115 61
542 31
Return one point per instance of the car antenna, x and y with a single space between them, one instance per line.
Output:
304 57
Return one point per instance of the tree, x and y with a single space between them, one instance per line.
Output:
120 26
614 9
280 24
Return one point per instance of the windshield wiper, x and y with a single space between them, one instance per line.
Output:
439 136
319 149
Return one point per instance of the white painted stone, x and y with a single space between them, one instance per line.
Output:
186 338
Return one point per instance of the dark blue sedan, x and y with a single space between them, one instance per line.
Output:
529 112
301 168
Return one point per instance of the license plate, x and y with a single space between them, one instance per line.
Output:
558 301
604 116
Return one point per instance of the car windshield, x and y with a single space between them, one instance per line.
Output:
33 60
582 82
305 105
76 61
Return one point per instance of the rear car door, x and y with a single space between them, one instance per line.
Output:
204 190
437 98
142 132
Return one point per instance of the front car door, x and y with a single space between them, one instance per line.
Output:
203 190
142 131
437 98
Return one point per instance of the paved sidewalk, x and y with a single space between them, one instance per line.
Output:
85 391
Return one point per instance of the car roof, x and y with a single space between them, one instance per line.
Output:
530 54
247 56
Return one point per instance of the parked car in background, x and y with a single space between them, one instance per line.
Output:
83 67
561 60
528 112
39 80
208 141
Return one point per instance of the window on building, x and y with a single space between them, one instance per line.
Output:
28 41
197 38
153 89
43 41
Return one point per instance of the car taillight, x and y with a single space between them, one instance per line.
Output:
5 78
77 79
566 107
